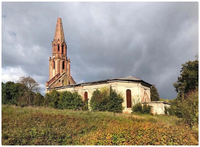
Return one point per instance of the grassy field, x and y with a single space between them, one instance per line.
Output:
45 126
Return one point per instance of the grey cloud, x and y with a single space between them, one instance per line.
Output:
105 40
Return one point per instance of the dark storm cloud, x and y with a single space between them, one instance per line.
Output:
105 40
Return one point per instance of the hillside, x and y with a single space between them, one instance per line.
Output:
45 126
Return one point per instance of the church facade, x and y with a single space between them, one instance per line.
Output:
132 89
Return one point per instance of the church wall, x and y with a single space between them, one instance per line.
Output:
143 97
120 87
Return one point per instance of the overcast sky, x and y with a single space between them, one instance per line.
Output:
105 40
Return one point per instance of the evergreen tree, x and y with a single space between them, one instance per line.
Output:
186 104
188 79
115 101
154 93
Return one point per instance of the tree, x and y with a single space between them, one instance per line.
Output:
54 98
154 93
185 106
115 102
66 100
106 99
38 99
32 86
11 92
99 100
78 102
188 79
47 100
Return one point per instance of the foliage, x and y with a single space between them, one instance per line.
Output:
78 102
44 126
187 108
99 100
138 108
38 100
154 93
12 92
32 87
188 79
115 102
47 100
146 109
54 98
70 100
106 99
186 104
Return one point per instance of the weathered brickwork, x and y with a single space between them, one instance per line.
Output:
59 64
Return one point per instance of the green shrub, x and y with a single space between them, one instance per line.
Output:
146 109
54 98
187 108
115 102
78 102
66 100
137 108
106 99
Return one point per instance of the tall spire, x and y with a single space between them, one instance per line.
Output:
59 33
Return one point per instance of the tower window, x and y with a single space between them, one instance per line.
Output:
62 49
63 66
58 47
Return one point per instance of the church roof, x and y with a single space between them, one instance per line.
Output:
59 33
129 78
123 79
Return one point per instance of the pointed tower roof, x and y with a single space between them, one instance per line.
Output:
59 33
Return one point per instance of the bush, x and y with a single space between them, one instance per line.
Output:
106 99
115 102
137 108
78 102
146 109
187 108
66 100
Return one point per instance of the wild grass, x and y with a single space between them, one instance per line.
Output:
46 126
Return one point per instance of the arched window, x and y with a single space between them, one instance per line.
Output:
86 96
58 47
62 49
128 98
63 65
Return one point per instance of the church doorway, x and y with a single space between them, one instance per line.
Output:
86 96
128 98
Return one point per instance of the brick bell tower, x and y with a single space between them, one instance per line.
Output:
59 64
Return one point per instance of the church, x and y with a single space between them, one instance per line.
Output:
132 89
